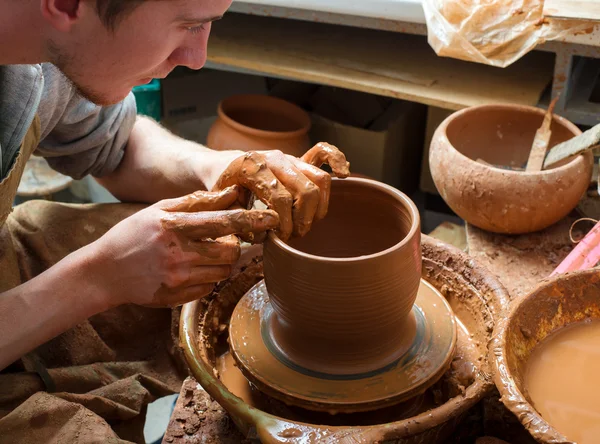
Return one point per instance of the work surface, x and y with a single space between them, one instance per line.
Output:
520 262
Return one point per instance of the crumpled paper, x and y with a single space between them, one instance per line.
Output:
493 32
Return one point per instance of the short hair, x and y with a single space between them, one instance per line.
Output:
112 11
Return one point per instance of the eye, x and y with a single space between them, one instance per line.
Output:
195 29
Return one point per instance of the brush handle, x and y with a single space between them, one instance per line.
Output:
585 255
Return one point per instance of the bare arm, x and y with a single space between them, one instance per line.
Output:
159 165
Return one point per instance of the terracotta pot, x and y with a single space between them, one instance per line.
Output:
260 122
495 199
553 305
369 244
478 300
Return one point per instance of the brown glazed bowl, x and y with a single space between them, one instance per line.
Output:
501 200
343 294
477 300
554 304
257 122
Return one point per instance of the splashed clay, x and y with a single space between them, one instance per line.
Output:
497 199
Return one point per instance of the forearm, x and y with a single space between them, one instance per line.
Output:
51 303
159 165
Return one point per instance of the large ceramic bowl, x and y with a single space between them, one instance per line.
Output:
497 199
554 304
477 300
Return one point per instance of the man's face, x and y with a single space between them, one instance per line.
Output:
147 43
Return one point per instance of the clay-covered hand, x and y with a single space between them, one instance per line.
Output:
177 249
297 189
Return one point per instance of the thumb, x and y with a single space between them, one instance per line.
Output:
202 201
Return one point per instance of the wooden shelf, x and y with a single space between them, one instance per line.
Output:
379 62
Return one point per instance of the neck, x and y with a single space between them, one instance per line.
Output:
21 33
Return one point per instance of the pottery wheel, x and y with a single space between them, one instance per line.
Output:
271 372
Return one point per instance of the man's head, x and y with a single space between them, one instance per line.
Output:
106 47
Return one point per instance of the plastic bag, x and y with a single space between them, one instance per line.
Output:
493 32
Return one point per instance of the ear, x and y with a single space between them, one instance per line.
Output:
61 14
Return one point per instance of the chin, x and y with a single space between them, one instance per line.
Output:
103 98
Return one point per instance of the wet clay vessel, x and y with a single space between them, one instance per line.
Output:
335 325
553 305
256 122
343 295
477 300
468 156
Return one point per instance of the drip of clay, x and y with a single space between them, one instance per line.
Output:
343 295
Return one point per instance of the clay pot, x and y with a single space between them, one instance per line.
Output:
343 294
477 299
553 305
495 199
260 122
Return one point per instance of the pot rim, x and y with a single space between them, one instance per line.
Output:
294 111
511 395
573 163
403 198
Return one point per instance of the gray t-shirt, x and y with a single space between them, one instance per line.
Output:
78 137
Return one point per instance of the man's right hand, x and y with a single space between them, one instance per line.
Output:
176 250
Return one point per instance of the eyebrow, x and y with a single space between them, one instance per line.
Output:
191 19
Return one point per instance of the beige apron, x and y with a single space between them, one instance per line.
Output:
92 383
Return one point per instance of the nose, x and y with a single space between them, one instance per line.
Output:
190 57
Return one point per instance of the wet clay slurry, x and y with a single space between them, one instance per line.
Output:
562 381
342 295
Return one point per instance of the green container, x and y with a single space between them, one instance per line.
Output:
148 99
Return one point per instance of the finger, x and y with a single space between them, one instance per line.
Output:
322 180
220 251
174 297
325 153
215 224
203 201
305 194
209 274
251 172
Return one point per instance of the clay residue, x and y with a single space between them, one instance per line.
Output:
198 419
522 262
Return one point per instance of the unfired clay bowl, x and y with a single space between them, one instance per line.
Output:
496 199
343 294
554 304
257 122
477 300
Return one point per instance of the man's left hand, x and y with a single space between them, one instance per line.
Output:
297 189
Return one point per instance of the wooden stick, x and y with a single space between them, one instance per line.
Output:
585 255
577 145
541 141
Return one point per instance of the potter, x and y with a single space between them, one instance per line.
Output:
77 281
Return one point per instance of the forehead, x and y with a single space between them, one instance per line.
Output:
186 9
